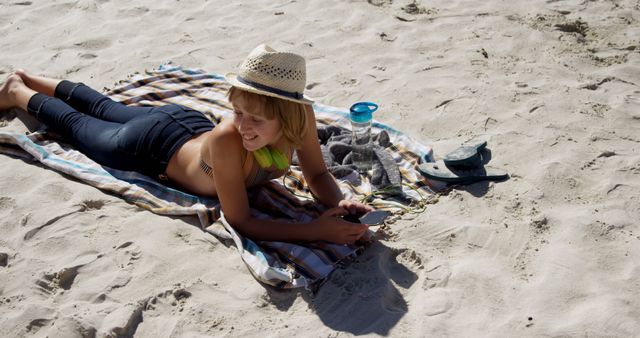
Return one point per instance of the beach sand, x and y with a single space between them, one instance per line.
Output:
554 86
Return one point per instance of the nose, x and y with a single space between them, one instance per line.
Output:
242 124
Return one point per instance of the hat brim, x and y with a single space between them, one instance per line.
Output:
232 78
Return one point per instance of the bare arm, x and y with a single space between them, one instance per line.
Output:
320 181
228 154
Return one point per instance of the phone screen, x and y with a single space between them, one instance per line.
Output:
376 217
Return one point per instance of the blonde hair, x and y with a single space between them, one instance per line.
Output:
291 115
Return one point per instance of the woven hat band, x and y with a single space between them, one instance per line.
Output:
293 95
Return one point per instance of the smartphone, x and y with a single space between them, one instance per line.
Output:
375 217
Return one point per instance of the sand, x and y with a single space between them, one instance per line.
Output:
554 251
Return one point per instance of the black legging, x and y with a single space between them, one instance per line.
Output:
128 138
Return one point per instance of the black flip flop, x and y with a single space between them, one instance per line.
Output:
440 172
467 155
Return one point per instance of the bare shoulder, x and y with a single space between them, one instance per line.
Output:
224 142
224 128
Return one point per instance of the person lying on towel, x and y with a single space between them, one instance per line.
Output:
272 119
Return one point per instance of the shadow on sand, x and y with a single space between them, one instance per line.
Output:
481 188
362 298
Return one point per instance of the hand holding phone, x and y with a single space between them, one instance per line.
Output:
375 217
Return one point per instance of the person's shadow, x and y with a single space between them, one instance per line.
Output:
361 298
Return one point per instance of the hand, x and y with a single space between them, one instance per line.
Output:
332 228
354 207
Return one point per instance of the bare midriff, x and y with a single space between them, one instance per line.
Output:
183 167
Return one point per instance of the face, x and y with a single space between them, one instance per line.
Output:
256 131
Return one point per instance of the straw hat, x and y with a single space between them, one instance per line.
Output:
269 72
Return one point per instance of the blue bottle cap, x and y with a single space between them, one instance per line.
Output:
362 111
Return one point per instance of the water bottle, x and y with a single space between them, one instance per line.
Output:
362 147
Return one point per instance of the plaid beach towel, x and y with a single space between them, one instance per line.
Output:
280 264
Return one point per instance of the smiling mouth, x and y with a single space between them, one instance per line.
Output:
250 138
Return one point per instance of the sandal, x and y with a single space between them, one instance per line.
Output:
439 171
467 155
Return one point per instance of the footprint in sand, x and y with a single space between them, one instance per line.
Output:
82 207
175 298
68 327
113 270
36 324
167 312
432 298
436 277
51 283
52 324
400 266
127 254
124 321
31 233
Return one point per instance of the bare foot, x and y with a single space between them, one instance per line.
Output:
14 93
20 72
38 83
7 97
23 75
